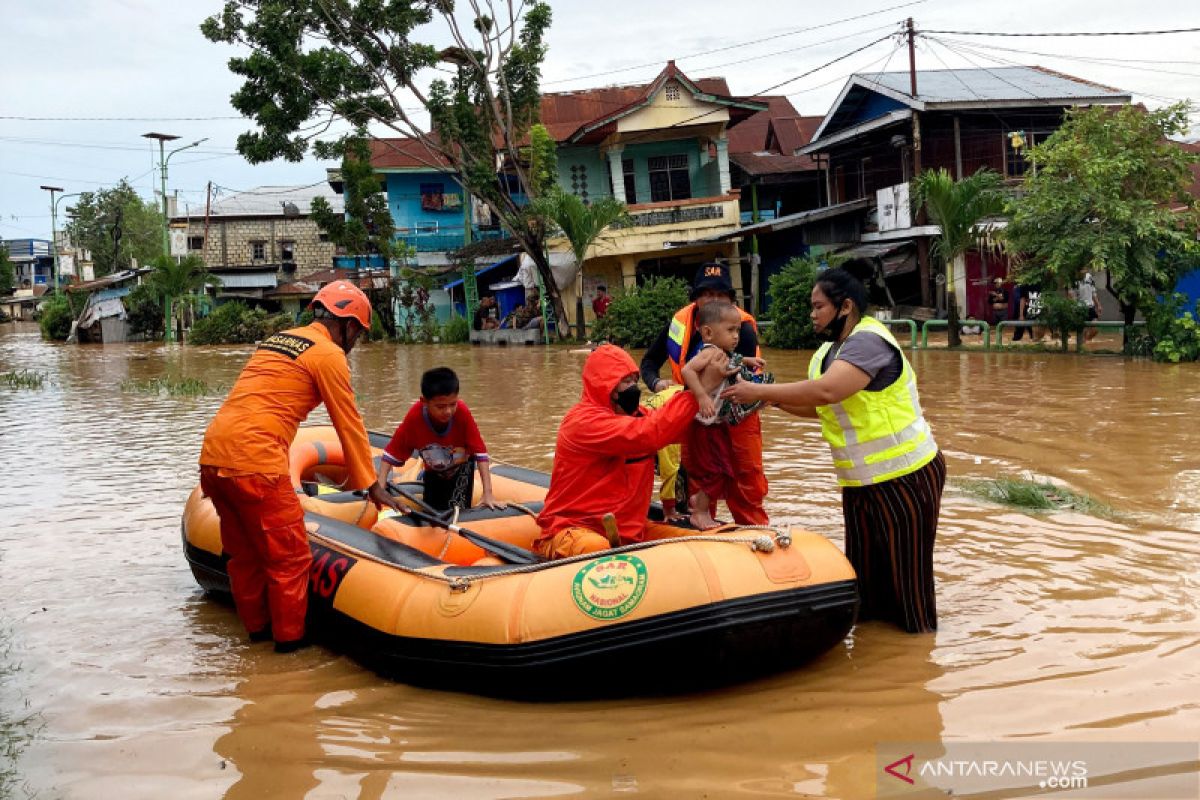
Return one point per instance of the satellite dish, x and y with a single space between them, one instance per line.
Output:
291 210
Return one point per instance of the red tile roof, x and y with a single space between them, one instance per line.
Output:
763 144
403 152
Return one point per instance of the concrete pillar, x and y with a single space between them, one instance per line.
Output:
723 163
628 271
617 171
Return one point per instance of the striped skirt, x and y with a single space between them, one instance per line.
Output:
890 528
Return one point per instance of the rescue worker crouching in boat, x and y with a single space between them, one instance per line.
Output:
678 343
604 458
244 466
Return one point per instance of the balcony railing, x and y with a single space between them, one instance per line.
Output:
443 238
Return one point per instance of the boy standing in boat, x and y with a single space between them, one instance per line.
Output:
708 454
441 431
604 458
244 466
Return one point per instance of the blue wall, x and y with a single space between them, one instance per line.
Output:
404 200
702 173
1189 284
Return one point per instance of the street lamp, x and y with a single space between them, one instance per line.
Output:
163 161
53 231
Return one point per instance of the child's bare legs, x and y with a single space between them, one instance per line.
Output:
701 517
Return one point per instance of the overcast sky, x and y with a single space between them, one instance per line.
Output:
147 59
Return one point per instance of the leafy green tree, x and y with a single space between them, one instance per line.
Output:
581 224
145 311
8 274
1108 191
957 207
117 226
173 281
364 61
790 294
55 317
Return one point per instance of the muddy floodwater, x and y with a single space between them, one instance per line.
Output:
121 679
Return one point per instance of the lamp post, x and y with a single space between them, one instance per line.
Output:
53 232
163 161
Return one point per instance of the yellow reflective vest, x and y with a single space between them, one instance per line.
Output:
875 436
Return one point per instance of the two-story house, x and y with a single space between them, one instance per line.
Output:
879 133
662 148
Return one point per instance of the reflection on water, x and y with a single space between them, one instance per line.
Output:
1058 627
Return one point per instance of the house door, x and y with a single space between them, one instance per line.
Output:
981 269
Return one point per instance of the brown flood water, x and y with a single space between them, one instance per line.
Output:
1052 627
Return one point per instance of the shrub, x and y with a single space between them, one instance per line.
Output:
1063 315
1173 331
234 323
145 310
790 294
636 318
56 317
457 330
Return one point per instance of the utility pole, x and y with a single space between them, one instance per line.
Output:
53 233
921 241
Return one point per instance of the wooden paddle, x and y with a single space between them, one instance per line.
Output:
511 553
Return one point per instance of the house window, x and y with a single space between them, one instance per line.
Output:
195 243
323 237
1016 149
630 180
287 250
866 181
258 251
669 179
432 196
579 181
672 91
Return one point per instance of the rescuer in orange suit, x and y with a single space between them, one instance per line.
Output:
244 461
604 459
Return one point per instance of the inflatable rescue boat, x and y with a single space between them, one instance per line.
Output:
412 598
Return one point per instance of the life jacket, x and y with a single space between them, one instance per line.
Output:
679 338
875 436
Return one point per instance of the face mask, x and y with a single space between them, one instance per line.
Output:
628 399
834 329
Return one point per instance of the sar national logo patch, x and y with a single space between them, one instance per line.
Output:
610 587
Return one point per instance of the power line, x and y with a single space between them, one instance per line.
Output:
1102 61
102 146
116 119
734 46
1084 33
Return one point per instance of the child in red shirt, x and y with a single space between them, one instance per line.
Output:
440 430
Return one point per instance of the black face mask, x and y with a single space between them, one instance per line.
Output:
628 399
834 329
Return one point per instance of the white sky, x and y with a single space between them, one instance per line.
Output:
147 59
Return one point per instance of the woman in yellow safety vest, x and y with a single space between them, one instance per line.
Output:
864 392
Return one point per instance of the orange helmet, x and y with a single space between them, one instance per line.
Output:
344 299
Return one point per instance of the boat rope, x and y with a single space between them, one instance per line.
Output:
525 509
766 542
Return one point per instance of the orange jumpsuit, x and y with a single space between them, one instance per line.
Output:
244 470
604 461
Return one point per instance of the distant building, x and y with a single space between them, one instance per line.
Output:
255 240
33 262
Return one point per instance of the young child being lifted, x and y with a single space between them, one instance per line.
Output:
707 448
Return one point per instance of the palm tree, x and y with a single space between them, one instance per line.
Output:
581 223
957 207
174 280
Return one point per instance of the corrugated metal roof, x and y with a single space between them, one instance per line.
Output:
253 280
999 84
269 201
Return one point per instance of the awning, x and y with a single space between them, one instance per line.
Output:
897 257
489 268
791 220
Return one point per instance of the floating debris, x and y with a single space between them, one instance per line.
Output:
1035 495
23 379
176 387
